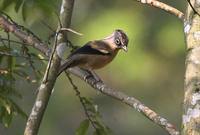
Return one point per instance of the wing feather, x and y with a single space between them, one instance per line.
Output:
80 56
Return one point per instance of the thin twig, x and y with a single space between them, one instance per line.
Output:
50 59
164 7
29 59
59 21
81 100
70 30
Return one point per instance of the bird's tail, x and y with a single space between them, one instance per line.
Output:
63 67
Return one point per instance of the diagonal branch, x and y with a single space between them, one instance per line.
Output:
164 7
29 38
131 101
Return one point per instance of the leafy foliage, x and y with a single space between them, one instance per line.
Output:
10 71
7 107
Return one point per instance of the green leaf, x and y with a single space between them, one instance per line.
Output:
83 128
18 3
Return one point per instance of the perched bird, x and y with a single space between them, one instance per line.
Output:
96 54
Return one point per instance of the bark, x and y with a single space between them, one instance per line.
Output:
45 89
191 106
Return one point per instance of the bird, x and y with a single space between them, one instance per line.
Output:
97 53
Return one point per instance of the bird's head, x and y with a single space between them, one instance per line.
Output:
118 40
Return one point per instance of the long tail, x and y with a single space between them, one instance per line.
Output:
64 66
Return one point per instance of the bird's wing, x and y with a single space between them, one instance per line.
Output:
80 56
93 48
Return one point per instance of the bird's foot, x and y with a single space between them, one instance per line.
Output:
97 79
92 74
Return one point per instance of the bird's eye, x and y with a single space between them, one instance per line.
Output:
117 41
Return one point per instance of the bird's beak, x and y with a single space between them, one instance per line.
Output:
125 48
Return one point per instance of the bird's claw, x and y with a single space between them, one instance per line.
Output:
97 79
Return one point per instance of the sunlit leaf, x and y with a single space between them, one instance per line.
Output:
8 108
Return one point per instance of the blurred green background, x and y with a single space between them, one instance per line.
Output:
152 70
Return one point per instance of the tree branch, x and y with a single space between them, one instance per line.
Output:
164 7
45 89
191 104
131 101
30 38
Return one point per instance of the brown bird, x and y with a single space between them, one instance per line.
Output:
96 54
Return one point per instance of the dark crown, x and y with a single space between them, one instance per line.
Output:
122 36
